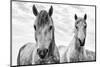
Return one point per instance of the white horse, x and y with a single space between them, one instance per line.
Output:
76 51
45 50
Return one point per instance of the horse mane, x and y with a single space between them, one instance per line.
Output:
52 45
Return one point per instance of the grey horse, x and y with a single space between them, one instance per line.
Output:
45 50
76 51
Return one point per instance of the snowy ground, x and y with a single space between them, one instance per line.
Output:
63 17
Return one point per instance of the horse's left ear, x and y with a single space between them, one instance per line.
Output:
51 11
85 16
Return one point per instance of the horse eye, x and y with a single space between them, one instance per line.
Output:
85 26
76 27
50 27
34 27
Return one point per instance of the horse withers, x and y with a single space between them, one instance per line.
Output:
45 50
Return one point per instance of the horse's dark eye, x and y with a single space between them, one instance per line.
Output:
76 27
34 27
85 26
50 27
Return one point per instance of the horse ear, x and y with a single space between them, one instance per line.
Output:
51 11
75 17
85 16
35 12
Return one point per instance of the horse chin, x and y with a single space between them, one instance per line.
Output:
82 45
47 60
42 61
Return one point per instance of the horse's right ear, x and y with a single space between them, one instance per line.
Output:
35 12
75 17
51 11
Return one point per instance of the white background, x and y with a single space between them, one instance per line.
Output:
5 32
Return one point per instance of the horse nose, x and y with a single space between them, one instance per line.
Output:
42 53
82 42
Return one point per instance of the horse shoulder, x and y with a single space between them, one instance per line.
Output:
70 52
57 54
35 57
25 54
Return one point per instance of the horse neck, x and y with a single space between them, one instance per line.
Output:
52 46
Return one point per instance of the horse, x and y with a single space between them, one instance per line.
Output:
45 50
75 51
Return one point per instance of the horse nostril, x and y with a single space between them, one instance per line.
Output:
46 51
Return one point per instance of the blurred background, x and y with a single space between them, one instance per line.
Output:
63 18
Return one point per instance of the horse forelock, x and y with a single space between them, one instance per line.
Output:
80 20
43 19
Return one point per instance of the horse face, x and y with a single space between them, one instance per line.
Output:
80 27
44 38
43 31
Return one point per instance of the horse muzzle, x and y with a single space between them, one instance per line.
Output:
42 52
82 42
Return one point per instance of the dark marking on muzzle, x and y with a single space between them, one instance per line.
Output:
42 53
82 43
